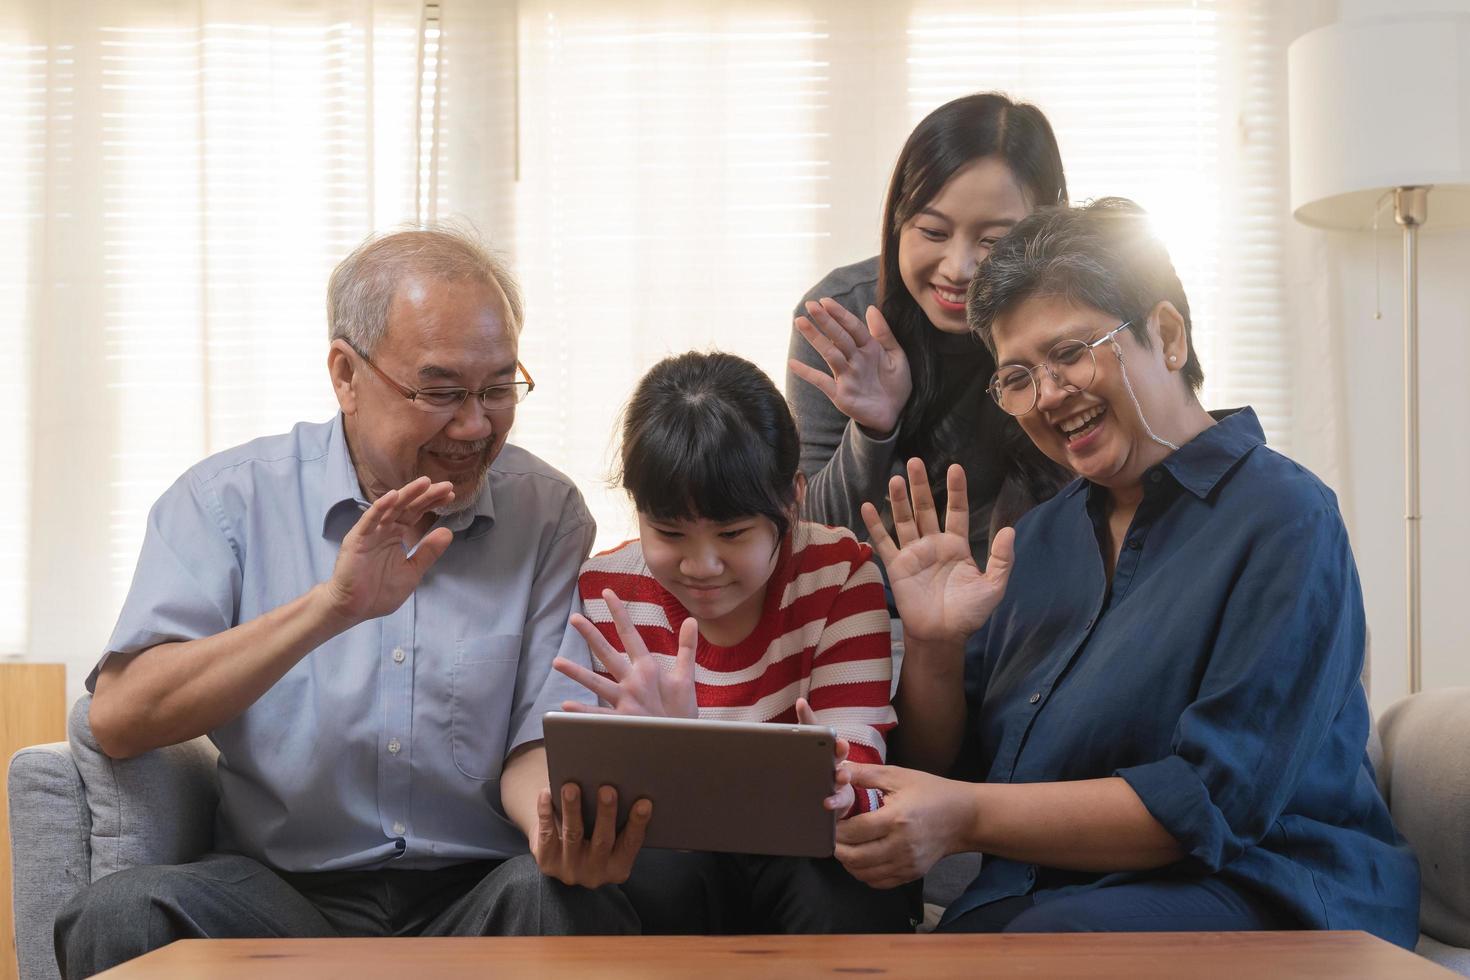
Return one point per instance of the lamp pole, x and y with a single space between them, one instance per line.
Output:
1410 210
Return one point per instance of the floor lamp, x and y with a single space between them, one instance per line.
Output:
1380 112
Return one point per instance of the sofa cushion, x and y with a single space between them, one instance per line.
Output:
157 808
1426 766
1450 957
949 878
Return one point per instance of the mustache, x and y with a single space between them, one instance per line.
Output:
456 448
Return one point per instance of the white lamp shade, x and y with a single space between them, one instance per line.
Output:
1378 104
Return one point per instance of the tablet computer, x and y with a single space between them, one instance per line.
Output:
742 787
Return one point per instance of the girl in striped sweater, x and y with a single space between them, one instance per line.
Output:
727 606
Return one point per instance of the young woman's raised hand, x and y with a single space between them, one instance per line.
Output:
870 379
941 594
637 685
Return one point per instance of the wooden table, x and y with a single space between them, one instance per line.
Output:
1138 956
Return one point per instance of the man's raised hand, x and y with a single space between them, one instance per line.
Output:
378 565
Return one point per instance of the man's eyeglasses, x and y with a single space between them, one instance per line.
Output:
448 399
1072 365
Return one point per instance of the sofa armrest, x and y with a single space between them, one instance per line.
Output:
1426 768
157 808
49 829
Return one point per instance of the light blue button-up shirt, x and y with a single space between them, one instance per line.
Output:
384 745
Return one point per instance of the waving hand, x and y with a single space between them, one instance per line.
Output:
940 592
870 380
382 559
638 685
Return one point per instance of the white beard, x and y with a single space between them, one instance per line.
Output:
464 503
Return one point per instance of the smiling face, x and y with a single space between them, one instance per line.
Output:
940 247
717 570
1097 433
439 333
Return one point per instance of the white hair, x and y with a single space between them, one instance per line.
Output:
362 286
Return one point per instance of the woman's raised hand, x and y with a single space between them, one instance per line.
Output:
942 596
870 379
637 685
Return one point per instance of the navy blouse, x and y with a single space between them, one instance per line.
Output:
1219 676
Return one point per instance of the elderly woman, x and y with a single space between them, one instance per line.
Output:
1163 713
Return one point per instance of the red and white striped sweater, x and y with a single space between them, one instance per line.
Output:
823 635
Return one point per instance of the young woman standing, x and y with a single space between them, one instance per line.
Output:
883 367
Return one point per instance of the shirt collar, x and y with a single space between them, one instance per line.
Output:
342 494
1201 463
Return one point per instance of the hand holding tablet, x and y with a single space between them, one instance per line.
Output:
842 792
562 850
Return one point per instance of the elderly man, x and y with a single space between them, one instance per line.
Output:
362 615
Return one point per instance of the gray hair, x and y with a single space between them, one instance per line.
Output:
362 286
1102 255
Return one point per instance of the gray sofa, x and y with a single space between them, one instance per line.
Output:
76 815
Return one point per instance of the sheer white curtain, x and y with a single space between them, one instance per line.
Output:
178 178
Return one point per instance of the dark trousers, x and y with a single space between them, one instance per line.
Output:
699 893
1165 905
226 896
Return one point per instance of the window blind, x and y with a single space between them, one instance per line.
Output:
24 89
194 171
1174 104
183 176
673 181
686 174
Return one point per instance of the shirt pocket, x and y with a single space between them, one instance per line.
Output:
482 690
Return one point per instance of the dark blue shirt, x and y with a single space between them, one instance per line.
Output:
1218 675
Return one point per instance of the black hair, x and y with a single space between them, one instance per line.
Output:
710 436
1103 255
952 136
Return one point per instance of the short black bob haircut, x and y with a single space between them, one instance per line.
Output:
1103 255
708 435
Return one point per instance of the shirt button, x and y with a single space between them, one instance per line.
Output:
1035 697
1133 544
398 655
1155 476
394 746
398 828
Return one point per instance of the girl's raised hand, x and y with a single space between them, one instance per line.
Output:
942 596
870 379
637 685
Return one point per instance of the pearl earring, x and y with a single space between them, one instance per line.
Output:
1172 358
